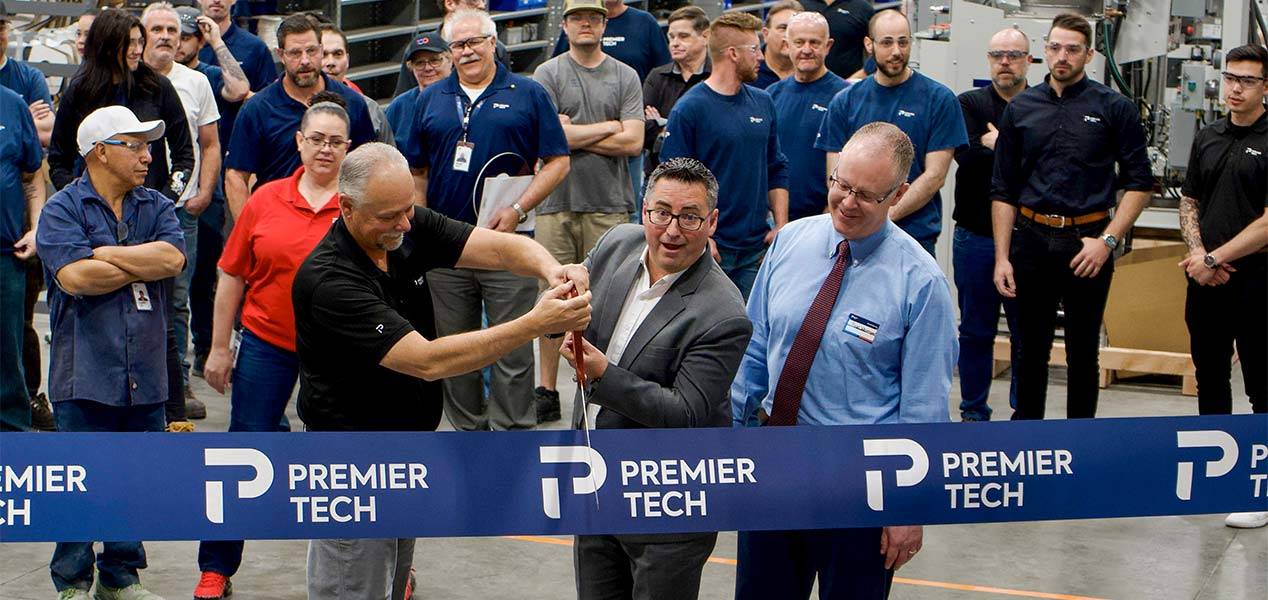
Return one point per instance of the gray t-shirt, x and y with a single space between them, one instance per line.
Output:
608 92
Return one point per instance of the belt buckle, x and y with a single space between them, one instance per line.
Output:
1059 218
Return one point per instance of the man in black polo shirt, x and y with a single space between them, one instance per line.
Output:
973 249
847 26
1224 224
1055 159
360 299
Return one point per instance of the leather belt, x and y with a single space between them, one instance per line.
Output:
1059 221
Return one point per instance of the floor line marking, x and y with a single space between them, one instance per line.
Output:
963 587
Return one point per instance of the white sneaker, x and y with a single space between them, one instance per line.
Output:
1247 520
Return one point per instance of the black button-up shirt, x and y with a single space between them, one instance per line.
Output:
1228 177
1056 154
847 26
981 106
349 314
663 88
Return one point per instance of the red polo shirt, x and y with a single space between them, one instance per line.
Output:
274 234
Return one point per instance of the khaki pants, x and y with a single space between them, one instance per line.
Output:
569 236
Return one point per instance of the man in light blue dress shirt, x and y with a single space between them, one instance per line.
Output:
886 356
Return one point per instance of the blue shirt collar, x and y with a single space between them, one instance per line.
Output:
862 248
83 189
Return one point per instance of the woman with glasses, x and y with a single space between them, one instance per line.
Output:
280 224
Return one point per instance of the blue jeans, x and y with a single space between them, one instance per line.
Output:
119 562
263 380
202 287
973 258
15 404
741 266
180 295
785 564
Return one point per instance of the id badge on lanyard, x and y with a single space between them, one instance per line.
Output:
463 151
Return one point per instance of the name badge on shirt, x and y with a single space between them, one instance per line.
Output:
861 328
462 156
141 296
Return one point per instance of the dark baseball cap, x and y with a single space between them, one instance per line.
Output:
428 41
189 20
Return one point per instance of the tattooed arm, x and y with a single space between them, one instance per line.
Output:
236 88
1189 226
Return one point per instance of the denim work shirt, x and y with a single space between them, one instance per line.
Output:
104 348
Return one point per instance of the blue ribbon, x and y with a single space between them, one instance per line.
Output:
79 486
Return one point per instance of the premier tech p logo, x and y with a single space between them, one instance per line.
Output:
251 488
905 477
585 484
1215 468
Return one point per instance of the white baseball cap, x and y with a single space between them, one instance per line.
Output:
105 123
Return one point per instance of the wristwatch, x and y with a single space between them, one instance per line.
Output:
1110 241
1210 261
520 211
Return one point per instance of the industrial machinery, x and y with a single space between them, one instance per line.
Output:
1166 55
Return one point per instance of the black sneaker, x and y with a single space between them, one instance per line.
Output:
42 413
200 361
547 405
194 408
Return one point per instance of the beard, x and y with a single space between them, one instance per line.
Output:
1072 75
747 74
390 242
891 68
304 79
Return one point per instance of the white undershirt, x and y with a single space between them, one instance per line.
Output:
639 302
473 93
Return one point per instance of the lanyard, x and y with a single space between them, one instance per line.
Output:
464 112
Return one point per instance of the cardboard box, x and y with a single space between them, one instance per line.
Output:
1145 310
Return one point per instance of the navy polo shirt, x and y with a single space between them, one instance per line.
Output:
400 113
927 111
735 136
633 38
26 80
104 349
252 54
228 110
799 108
20 152
765 76
514 116
264 135
1058 154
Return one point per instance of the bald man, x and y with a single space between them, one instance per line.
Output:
973 249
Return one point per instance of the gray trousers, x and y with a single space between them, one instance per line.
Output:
636 567
459 295
361 569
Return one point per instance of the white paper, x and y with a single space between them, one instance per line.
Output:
501 192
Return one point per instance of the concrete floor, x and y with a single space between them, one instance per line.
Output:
1193 557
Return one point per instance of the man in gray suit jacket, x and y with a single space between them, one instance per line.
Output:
668 334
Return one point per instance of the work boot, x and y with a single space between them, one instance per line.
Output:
547 404
42 413
73 593
213 586
194 408
132 592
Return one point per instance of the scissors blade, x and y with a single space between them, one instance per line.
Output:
577 356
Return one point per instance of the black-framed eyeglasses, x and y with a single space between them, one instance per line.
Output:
460 45
1009 54
434 62
332 143
1246 81
861 195
135 147
686 221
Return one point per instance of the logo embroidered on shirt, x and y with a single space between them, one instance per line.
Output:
755 119
1091 119
815 106
843 11
379 328
1253 152
904 113
500 105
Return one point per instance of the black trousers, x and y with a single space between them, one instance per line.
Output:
1221 316
1041 258
641 567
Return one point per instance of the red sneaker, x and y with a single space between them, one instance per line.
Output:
212 586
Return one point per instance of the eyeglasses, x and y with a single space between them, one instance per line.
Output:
1246 81
751 48
858 194
434 62
121 232
902 42
686 221
1009 54
1056 48
460 45
296 53
135 147
588 17
332 143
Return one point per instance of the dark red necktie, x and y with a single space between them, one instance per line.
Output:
792 379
